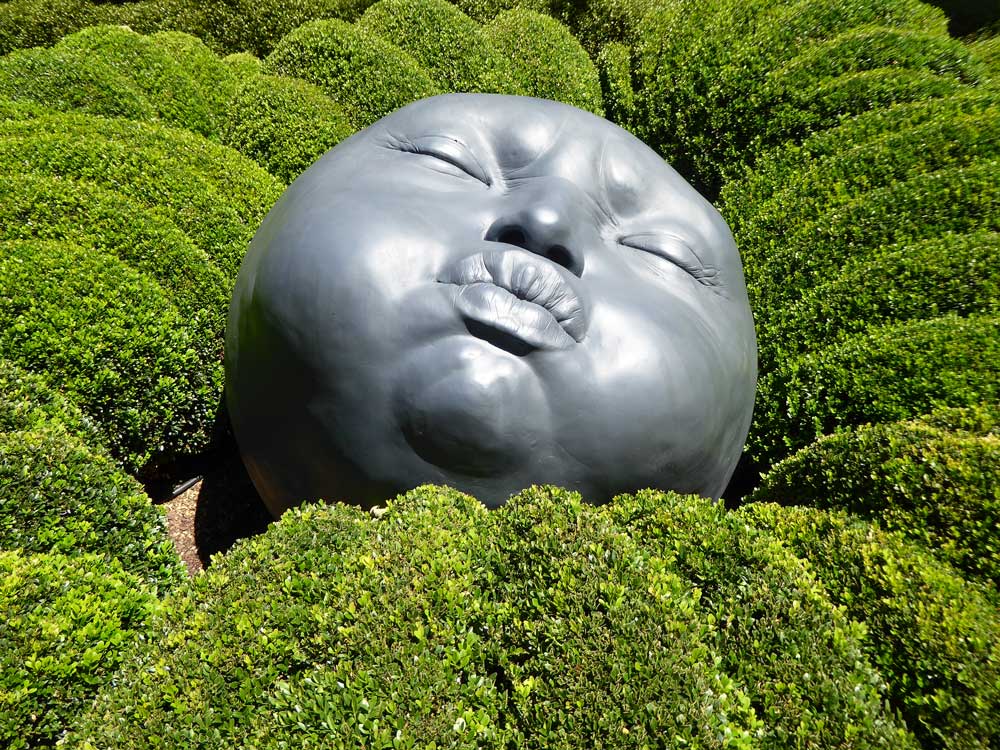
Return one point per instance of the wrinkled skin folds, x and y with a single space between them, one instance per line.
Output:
489 292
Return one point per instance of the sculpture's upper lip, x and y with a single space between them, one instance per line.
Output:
521 294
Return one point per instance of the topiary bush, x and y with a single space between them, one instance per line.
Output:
702 71
614 65
366 75
243 65
935 486
38 23
70 79
548 623
545 60
52 208
154 170
953 273
283 124
154 69
27 402
934 637
886 374
790 188
59 496
230 26
442 39
779 268
109 338
67 622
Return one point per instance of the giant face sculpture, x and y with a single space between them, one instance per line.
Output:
489 292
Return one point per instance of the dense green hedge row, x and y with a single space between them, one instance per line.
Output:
60 496
934 485
28 402
885 374
548 623
952 273
934 637
67 623
110 339
710 98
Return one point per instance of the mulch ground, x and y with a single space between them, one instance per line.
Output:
215 512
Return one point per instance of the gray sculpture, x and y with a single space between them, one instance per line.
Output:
489 292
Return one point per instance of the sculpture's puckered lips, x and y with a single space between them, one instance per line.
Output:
520 294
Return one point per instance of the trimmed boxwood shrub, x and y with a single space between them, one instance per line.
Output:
886 374
153 69
228 26
366 75
67 79
52 208
214 79
777 198
67 621
110 339
59 496
283 124
27 402
37 23
780 268
153 175
778 634
860 143
548 623
442 39
545 60
953 273
935 637
872 47
243 65
614 65
935 486
702 71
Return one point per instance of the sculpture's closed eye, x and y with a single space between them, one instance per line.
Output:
673 249
450 151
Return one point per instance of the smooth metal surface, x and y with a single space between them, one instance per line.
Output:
489 292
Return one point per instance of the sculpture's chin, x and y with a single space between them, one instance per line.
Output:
469 410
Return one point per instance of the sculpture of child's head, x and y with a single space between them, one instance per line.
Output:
489 292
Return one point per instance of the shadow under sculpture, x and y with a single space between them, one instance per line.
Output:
489 292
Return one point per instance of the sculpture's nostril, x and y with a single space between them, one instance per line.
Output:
560 256
513 236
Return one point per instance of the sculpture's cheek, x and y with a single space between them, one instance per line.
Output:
470 409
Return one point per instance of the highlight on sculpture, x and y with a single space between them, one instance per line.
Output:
489 292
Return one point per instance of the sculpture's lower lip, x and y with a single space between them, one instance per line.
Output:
489 309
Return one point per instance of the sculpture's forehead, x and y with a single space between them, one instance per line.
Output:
533 137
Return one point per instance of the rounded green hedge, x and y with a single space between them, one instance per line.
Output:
52 208
364 74
935 637
28 402
614 66
152 172
442 39
70 79
37 23
935 486
545 60
777 197
67 623
952 273
214 79
885 374
283 124
703 72
780 268
153 68
548 623
109 338
61 497
231 26
243 65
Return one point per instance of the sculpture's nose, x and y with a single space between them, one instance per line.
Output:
547 219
